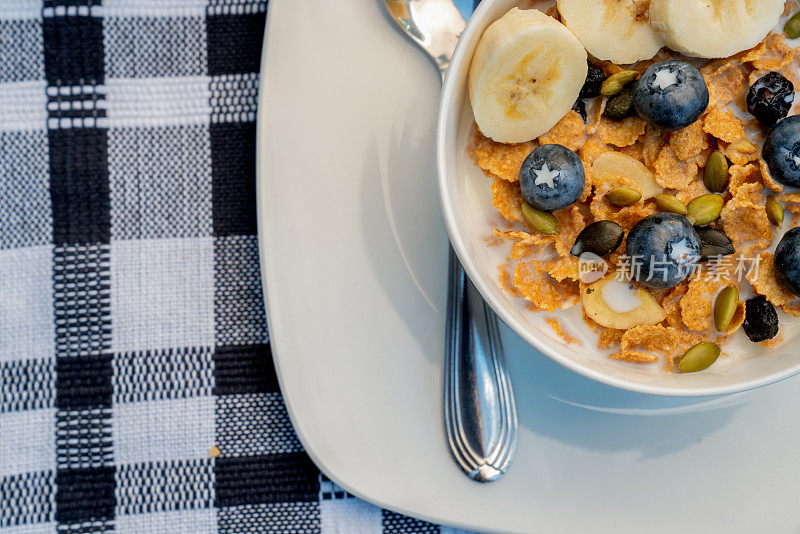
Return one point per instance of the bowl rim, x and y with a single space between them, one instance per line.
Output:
447 113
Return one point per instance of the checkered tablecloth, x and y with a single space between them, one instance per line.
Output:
138 394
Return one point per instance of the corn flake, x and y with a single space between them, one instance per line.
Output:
766 177
689 142
740 152
790 197
671 172
620 133
725 84
507 198
776 54
741 175
792 308
698 302
765 282
565 267
744 222
591 150
653 338
633 356
570 223
635 150
753 193
569 131
556 326
671 304
525 244
694 189
609 337
505 281
654 141
500 159
724 125
541 289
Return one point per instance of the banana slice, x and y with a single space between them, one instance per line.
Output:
714 28
614 30
615 304
525 75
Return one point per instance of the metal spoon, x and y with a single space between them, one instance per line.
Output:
479 411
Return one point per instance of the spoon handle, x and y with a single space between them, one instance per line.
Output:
479 410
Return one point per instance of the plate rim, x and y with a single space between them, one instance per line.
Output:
276 341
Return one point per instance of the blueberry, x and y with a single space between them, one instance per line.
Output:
671 94
552 177
770 98
787 260
594 79
662 250
760 319
782 151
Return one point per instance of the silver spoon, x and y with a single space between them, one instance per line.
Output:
479 411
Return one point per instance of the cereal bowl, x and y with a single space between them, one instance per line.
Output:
470 218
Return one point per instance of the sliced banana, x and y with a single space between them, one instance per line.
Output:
526 73
614 30
714 28
614 169
616 304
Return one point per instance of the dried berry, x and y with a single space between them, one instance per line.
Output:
770 98
580 107
594 79
760 319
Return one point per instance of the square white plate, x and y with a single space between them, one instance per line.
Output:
354 254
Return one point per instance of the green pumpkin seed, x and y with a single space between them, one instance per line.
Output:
621 105
670 204
725 307
601 238
616 82
622 197
704 209
700 357
715 243
792 26
774 212
543 222
716 176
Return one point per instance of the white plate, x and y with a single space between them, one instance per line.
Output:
354 260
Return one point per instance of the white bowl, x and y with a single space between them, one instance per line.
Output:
470 217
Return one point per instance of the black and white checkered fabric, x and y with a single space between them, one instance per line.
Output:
138 394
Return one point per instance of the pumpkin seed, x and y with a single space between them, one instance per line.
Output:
622 197
620 105
715 243
616 82
704 209
543 222
700 357
601 238
715 176
725 307
671 204
792 26
744 146
774 212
